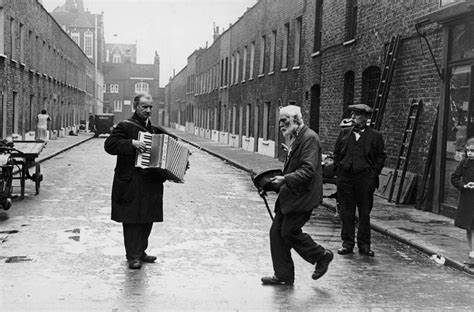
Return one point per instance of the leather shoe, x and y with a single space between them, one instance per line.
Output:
273 280
345 251
322 265
134 264
148 259
366 252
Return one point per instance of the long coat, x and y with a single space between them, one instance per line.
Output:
303 189
463 174
137 194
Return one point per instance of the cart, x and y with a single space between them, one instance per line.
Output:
24 155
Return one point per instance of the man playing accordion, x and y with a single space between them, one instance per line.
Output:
137 194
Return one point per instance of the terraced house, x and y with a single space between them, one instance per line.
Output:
326 55
41 67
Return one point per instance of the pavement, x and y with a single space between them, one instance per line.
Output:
430 233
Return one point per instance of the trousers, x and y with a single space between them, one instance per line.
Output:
286 234
135 237
356 191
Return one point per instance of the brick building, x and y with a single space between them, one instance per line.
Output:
41 67
124 78
326 55
87 30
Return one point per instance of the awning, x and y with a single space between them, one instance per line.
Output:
449 13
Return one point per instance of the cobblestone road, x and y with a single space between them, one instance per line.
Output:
60 251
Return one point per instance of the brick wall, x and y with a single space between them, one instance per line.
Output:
43 67
415 75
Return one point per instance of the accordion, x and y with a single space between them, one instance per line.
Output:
163 153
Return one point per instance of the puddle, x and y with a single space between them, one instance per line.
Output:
9 232
17 259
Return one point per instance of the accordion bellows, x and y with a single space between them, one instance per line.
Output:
163 153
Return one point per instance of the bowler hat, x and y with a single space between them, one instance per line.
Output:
362 108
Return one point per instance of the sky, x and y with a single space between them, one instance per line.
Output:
174 28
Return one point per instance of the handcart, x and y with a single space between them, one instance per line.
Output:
24 155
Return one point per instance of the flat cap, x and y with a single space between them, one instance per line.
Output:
364 108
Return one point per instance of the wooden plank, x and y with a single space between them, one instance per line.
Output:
385 183
29 148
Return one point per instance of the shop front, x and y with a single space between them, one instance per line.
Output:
456 111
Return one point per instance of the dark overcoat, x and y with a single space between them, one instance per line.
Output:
137 194
303 189
463 174
373 147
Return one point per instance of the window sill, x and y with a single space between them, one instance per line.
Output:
284 69
296 67
316 54
349 42
271 73
13 61
243 81
250 79
261 75
3 56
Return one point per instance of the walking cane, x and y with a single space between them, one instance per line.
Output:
262 182
263 194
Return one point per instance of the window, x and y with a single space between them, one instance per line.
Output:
12 38
88 44
252 59
226 75
141 87
117 106
462 42
244 65
272 51
22 42
75 36
262 56
247 119
232 66
318 25
2 40
114 88
116 58
348 97
298 30
234 118
237 66
351 19
284 48
370 81
266 120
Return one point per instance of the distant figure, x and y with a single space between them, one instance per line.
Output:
91 123
42 121
463 179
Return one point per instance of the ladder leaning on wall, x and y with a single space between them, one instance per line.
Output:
383 87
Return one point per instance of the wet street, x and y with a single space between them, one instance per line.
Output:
60 251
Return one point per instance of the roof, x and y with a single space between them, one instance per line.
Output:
125 71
